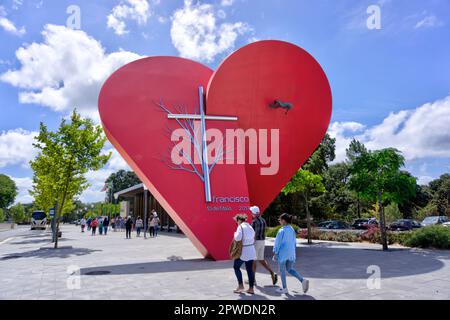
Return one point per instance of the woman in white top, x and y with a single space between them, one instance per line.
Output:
245 233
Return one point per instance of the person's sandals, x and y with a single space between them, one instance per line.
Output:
239 290
250 291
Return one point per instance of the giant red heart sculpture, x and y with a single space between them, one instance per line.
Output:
135 103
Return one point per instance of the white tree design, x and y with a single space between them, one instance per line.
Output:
192 132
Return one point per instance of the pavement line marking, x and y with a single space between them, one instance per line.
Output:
6 240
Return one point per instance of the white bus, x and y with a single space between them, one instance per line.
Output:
38 220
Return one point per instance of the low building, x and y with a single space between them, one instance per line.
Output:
137 201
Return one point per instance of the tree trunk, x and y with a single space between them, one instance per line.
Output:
382 223
308 219
61 206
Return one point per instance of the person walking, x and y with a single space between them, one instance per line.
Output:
100 225
284 253
260 225
156 222
88 223
246 234
153 224
113 224
94 224
128 227
83 224
139 225
122 224
105 225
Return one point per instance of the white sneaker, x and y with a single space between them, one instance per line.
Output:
282 290
305 285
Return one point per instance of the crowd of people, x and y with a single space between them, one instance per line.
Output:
250 237
252 248
118 223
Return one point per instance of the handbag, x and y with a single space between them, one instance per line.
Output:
236 246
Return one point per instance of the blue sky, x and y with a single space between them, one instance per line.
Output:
391 86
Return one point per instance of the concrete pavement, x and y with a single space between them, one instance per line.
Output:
169 267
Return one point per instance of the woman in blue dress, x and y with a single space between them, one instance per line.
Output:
284 253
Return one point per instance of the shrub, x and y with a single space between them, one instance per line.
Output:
399 237
347 237
371 235
272 232
315 234
430 237
330 235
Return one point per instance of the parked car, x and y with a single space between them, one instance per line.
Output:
405 225
363 224
430 221
334 225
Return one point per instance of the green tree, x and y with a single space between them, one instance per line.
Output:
411 207
17 213
355 150
8 191
121 180
440 189
2 215
338 197
325 153
293 202
392 213
65 156
308 184
377 176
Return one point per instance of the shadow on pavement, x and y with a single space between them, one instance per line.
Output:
352 263
161 267
46 253
37 241
322 262
292 295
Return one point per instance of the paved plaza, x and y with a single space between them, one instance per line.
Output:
169 267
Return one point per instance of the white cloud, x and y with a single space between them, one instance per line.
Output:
23 185
16 147
137 10
420 133
8 25
197 35
65 71
430 21
424 180
17 4
226 3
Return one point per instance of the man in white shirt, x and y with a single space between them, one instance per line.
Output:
260 225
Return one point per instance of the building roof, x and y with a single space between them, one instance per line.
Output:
130 191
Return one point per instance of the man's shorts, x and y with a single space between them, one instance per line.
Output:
259 247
